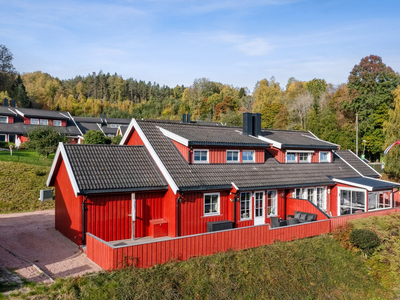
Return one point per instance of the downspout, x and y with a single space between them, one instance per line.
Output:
234 200
189 155
84 209
178 200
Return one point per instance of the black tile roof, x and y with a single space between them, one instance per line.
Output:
218 135
296 139
109 131
85 127
6 111
373 183
39 113
103 168
88 120
357 163
270 174
118 121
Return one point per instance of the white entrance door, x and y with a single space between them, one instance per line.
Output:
259 208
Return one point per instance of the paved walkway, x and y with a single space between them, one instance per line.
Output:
29 243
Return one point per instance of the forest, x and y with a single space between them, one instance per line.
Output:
372 92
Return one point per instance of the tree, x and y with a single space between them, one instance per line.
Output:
45 140
94 137
301 107
370 85
6 58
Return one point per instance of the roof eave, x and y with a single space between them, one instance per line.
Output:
291 146
126 190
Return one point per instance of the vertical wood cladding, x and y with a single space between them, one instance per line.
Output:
149 206
68 208
134 139
278 154
304 206
10 119
182 149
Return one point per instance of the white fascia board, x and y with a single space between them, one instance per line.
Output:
315 138
155 157
75 123
66 116
235 186
64 156
175 137
98 125
300 151
19 112
365 163
123 140
313 135
12 111
368 188
274 143
348 164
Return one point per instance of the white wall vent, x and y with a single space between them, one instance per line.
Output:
46 195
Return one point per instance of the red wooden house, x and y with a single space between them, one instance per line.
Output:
173 179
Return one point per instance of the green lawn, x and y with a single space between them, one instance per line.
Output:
26 156
314 268
20 185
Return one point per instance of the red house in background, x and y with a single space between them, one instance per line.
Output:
170 179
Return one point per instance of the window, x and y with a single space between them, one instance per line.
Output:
316 195
34 121
351 201
211 204
2 137
248 156
245 206
232 156
11 138
291 157
114 125
44 122
379 200
324 157
321 198
298 194
200 156
304 157
272 203
3 119
56 123
310 194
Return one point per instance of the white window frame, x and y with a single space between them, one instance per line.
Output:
377 193
351 190
200 161
6 122
304 195
295 158
44 121
249 161
323 199
233 161
328 157
54 123
34 119
274 202
249 208
308 157
204 204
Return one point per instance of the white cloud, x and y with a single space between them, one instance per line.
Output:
247 45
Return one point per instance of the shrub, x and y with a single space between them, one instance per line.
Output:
365 239
3 145
116 139
94 137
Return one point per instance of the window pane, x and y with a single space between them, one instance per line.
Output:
245 199
271 203
44 122
34 121
3 119
2 137
248 156
11 138
211 203
56 123
291 157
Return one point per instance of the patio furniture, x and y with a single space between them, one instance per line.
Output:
276 222
303 217
292 221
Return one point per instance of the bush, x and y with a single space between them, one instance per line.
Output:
364 239
3 145
116 139
94 137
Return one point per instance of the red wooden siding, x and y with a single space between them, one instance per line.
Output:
134 139
107 216
26 121
304 206
149 206
191 212
218 155
68 208
183 248
169 211
182 149
64 123
278 154
10 119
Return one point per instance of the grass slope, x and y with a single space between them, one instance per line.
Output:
20 186
315 268
27 156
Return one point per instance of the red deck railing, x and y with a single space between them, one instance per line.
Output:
150 253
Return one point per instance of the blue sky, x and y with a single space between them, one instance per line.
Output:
175 41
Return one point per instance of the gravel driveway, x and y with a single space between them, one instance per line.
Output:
32 237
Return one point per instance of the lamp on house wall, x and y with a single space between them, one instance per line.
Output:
329 191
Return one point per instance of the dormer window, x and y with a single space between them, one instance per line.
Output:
232 156
44 122
56 123
291 158
3 119
248 156
304 157
200 156
324 156
34 121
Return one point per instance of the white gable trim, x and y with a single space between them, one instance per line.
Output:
64 156
365 163
274 143
368 188
75 123
234 186
20 113
128 130
13 111
175 137
134 125
348 164
300 151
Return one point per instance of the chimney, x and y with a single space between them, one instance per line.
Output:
247 123
12 103
256 124
104 116
188 118
5 102
184 118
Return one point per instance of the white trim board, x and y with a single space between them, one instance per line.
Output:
134 124
175 137
300 151
348 164
368 188
75 123
128 130
274 143
64 156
